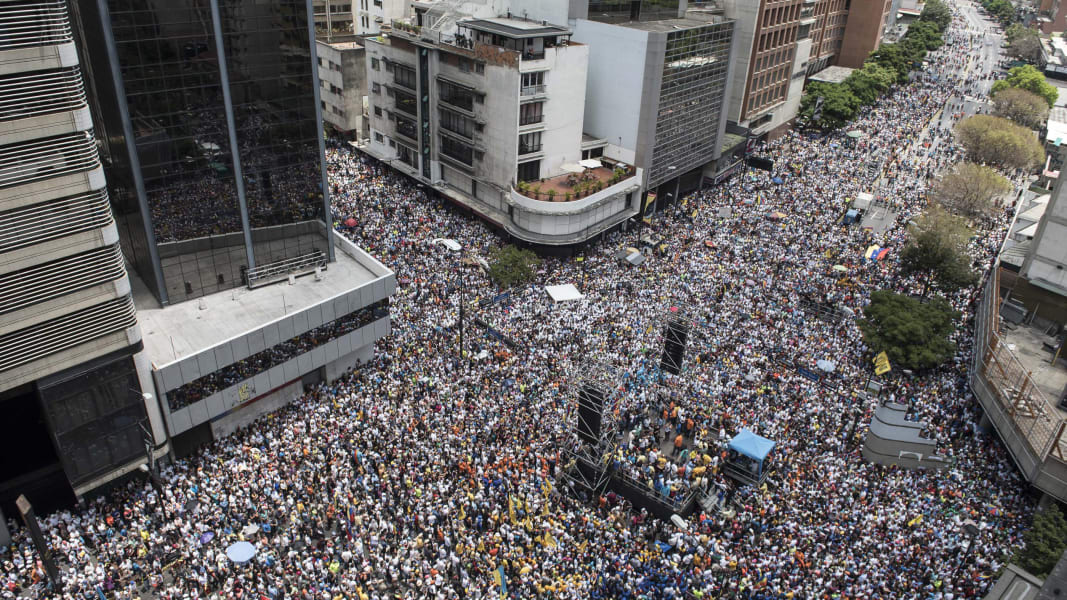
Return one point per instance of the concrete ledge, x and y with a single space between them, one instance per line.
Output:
38 58
24 130
50 189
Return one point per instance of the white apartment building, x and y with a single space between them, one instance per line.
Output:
370 15
490 113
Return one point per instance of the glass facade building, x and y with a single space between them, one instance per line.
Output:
210 118
691 99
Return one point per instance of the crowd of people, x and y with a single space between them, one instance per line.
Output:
432 474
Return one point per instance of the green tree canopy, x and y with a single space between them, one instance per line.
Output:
1045 541
899 58
1030 79
913 334
1023 107
926 34
838 107
938 13
936 251
512 266
870 82
969 190
998 141
1024 43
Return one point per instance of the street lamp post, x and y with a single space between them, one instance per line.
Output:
970 529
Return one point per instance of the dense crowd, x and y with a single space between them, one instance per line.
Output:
426 474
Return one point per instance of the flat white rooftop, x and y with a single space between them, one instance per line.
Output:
173 332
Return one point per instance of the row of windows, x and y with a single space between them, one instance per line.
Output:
781 14
778 38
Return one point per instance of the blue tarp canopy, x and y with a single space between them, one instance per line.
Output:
751 445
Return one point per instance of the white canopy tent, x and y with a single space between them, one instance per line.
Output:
563 293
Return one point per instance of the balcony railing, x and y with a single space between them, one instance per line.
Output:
533 90
25 95
47 158
30 24
529 148
531 119
62 333
34 224
41 283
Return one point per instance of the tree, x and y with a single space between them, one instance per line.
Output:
512 266
839 104
1017 30
1045 541
870 82
913 334
969 190
1023 107
938 13
899 58
998 141
1026 48
1030 79
936 251
926 34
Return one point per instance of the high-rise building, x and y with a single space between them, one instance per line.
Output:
210 121
773 50
827 31
867 21
661 88
72 365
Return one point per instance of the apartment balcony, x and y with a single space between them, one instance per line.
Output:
42 104
35 35
48 168
570 186
532 90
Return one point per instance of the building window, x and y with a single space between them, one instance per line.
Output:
457 123
406 102
407 156
320 61
376 88
378 3
457 150
479 68
456 96
379 138
377 111
404 76
533 83
530 143
374 64
529 171
531 112
406 128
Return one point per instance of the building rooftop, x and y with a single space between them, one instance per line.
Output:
669 25
1057 126
1032 347
515 28
834 74
172 332
573 184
